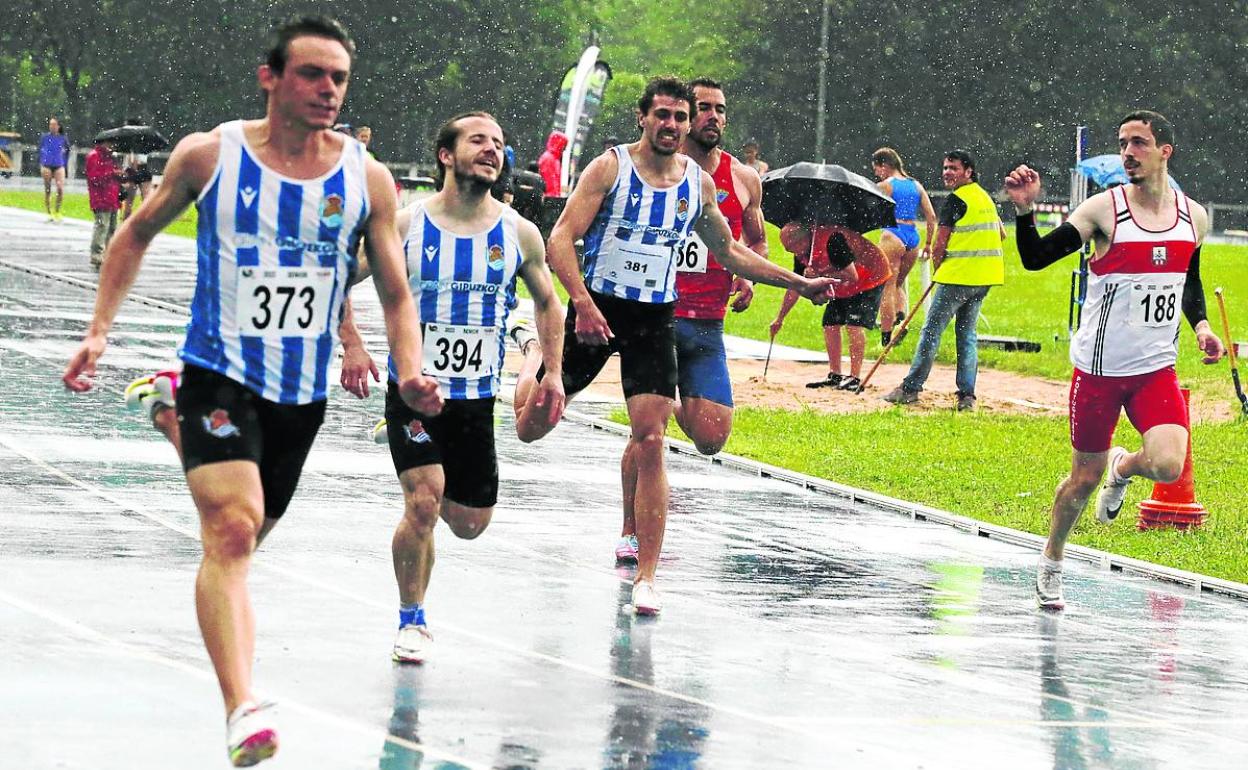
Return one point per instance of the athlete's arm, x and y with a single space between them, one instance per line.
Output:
190 167
385 258
357 364
548 313
578 215
1194 292
713 229
1023 186
753 233
929 218
786 304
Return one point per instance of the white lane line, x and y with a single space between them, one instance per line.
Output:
8 442
284 702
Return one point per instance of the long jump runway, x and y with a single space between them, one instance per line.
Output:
797 632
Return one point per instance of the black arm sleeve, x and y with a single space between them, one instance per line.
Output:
1194 292
1038 253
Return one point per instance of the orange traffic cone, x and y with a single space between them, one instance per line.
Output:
1174 505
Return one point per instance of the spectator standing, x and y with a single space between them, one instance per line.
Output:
550 164
749 156
968 261
364 134
104 192
53 155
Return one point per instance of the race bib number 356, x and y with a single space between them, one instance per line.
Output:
284 301
460 351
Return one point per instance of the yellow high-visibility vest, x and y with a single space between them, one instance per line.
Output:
973 256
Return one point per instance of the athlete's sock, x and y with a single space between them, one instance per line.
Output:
1053 564
411 614
1113 472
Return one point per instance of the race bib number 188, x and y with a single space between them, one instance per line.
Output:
284 301
1154 304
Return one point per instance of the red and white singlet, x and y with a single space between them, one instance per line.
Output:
1130 320
702 284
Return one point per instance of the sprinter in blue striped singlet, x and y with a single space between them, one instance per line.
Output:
464 251
276 256
635 206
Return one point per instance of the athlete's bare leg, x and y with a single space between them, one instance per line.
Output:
412 546
706 422
46 173
1161 458
628 483
532 421
1072 497
231 513
832 341
893 250
857 349
903 297
58 178
648 415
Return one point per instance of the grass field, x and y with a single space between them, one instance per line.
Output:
75 206
995 468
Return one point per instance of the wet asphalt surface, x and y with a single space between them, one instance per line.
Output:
797 632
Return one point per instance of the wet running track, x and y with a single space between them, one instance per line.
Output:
797 631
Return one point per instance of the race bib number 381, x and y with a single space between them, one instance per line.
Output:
284 301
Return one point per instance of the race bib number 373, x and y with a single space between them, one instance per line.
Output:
280 302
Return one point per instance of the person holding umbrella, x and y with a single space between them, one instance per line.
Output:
863 271
635 206
968 261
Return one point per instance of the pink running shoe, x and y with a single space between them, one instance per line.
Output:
626 550
251 734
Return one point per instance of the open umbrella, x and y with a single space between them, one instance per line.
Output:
1107 170
138 139
825 194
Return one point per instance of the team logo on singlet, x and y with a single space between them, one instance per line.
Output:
218 424
248 194
682 209
415 433
635 199
1159 255
721 195
431 252
331 210
496 261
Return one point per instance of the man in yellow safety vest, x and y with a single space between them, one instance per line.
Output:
968 262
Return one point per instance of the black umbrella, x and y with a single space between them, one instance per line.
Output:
825 194
139 139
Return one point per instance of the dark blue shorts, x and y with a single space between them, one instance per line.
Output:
701 363
907 234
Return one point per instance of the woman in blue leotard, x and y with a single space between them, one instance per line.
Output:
901 243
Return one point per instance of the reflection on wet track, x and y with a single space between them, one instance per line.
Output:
797 632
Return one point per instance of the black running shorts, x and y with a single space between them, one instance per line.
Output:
857 310
645 338
460 439
221 420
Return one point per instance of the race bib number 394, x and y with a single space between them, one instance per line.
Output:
460 351
1154 304
280 302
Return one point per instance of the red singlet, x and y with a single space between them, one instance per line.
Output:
702 284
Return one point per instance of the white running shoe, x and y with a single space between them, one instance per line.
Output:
152 391
626 550
413 644
1049 586
523 335
1109 499
380 434
646 600
251 733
